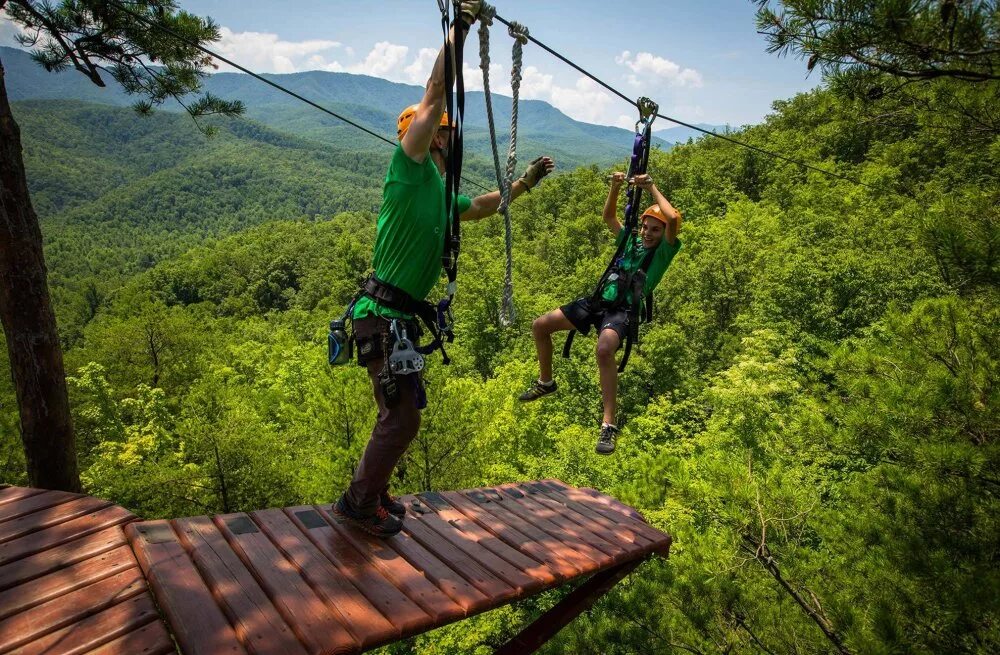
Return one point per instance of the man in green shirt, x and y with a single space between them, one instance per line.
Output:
653 249
409 244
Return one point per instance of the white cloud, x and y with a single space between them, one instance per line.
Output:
385 60
650 70
420 69
266 53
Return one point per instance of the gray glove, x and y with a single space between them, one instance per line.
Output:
537 169
470 10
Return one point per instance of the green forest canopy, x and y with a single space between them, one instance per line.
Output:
818 392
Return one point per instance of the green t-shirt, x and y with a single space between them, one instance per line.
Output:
632 260
409 239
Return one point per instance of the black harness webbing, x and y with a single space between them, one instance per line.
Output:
453 164
637 166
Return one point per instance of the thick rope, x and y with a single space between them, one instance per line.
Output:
505 180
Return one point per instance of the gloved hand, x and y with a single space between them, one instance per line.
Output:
470 10
536 170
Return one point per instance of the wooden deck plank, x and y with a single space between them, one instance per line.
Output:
96 631
10 494
150 639
38 521
613 511
38 591
566 524
468 541
391 566
53 559
538 522
368 625
630 532
460 561
549 552
297 603
58 613
62 533
465 595
617 534
188 604
584 558
533 564
258 625
33 503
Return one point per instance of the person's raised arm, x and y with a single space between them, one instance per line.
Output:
488 203
417 140
673 216
611 204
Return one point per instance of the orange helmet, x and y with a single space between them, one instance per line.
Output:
656 213
406 118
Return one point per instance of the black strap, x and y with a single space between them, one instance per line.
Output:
569 343
395 298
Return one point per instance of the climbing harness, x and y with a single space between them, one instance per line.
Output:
628 285
505 180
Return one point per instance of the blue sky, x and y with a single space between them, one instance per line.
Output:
701 61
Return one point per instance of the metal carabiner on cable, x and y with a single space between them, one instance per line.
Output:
647 112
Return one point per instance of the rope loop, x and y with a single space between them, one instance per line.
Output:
487 13
518 32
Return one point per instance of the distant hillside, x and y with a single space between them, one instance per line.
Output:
370 101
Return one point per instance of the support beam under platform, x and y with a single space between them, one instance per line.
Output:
580 600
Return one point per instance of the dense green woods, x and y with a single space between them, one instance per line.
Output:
813 414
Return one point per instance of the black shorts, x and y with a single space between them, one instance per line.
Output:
583 316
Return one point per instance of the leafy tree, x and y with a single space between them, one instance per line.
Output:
96 38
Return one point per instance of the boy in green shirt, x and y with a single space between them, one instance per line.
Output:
409 244
656 244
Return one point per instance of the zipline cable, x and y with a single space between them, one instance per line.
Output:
632 102
149 22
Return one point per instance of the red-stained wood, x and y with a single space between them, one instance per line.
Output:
460 561
533 564
372 565
552 552
187 603
150 639
25 627
298 604
33 503
98 630
538 522
37 521
11 494
615 511
53 559
62 533
469 537
258 625
56 584
617 534
629 531
440 574
569 526
346 602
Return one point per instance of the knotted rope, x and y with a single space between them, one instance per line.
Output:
505 180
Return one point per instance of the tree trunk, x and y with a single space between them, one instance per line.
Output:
30 325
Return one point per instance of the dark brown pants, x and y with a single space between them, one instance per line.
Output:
395 427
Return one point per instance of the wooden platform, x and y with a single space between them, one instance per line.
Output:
297 581
69 583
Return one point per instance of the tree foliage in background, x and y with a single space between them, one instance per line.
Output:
96 38
813 414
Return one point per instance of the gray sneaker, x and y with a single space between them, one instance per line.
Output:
537 390
606 442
